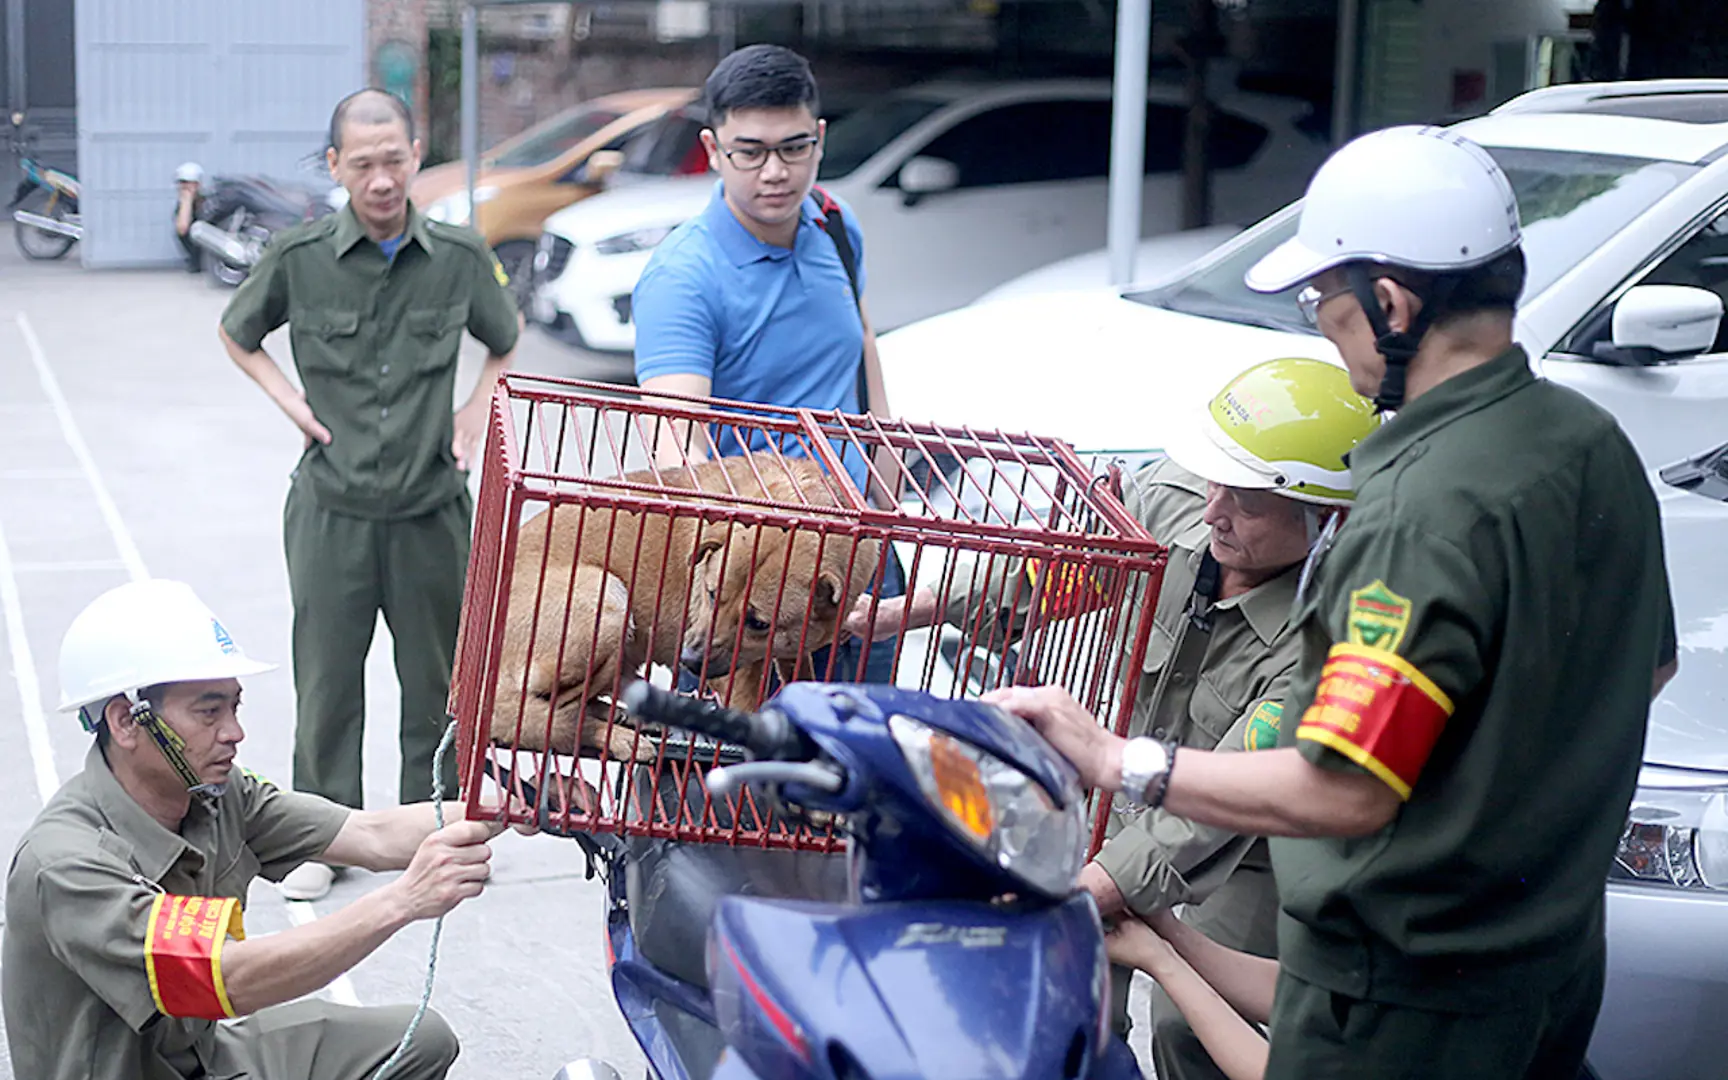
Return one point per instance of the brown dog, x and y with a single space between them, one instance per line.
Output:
616 593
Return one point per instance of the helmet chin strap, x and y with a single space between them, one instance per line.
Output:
1398 347
172 746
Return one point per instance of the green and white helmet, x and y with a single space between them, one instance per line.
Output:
1282 425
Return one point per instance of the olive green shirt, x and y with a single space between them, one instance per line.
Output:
1214 684
77 993
1496 607
376 341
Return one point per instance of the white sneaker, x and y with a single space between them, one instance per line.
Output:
308 881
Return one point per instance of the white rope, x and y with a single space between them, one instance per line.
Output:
437 925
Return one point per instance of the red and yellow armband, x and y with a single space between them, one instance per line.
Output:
183 954
1376 709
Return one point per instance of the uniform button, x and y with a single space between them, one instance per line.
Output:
1179 676
384 412
1157 733
385 370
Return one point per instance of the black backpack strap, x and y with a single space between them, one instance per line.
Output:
834 224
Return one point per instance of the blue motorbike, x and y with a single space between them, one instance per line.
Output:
947 941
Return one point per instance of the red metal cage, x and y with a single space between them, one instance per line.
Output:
605 552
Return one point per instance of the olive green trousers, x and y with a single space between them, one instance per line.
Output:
342 571
315 1040
1320 1035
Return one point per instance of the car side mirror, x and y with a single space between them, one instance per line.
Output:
1661 322
601 164
924 176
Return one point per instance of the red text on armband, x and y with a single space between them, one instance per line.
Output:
1376 709
183 954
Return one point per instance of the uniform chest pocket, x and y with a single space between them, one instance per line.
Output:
436 323
1214 710
234 875
333 336
331 325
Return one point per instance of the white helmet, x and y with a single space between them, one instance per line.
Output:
189 173
143 634
1419 197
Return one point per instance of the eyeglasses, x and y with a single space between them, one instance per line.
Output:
1309 300
751 158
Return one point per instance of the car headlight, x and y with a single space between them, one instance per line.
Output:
1676 831
635 240
999 810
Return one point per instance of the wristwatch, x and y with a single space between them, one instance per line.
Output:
1145 763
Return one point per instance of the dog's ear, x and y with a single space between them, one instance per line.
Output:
710 542
828 587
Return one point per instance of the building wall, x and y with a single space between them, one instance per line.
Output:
1425 62
396 51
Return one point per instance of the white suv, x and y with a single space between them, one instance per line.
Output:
1623 191
958 187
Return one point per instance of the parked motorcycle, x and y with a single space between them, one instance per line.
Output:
44 208
241 213
947 941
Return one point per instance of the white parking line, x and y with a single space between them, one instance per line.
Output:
24 673
129 556
300 912
82 566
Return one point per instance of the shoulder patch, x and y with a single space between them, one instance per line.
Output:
1377 617
1263 724
498 271
257 778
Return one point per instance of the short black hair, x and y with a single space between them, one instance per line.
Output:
1493 286
759 77
369 106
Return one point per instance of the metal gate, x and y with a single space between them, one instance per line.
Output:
237 87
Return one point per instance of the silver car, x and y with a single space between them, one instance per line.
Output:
1667 992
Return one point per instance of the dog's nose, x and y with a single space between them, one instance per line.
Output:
719 664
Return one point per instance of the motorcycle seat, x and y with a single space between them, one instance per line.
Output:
671 888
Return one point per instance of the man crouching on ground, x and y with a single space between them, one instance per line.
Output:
124 941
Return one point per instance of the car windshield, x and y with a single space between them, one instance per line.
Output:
538 145
855 139
1569 204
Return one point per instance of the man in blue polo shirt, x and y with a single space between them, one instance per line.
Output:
751 301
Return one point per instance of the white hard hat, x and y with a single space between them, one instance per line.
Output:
1418 197
143 634
189 173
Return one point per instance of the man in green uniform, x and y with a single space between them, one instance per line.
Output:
1238 508
378 516
1470 707
124 938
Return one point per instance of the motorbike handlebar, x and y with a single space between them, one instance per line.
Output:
766 734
